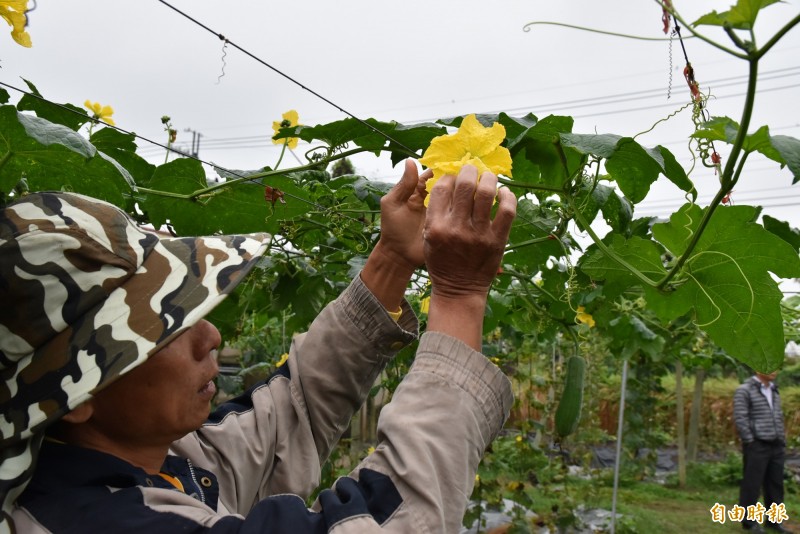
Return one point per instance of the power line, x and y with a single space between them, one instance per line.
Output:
281 73
263 141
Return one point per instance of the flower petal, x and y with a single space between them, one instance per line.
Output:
94 107
13 11
443 148
292 117
498 161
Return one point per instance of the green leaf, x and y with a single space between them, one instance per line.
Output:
53 157
109 139
67 115
517 126
369 134
617 211
4 96
122 148
727 280
780 148
789 150
782 230
642 254
48 133
675 173
602 146
238 208
630 335
519 131
416 137
718 129
538 146
742 16
633 168
533 222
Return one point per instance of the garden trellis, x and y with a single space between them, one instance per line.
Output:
645 283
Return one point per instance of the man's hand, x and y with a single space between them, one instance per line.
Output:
403 218
399 251
463 247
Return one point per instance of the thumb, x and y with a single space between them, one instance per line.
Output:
407 184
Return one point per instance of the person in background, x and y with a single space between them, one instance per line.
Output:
108 368
759 422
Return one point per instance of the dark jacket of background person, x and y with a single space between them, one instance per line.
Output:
753 417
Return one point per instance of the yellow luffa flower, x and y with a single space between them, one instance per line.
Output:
101 113
13 11
290 118
472 144
584 318
425 305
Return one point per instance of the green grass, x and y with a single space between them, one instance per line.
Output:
650 507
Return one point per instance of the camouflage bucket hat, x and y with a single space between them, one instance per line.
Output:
87 296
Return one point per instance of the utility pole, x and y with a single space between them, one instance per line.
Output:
195 142
194 152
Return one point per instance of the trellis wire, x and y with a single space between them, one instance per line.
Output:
283 74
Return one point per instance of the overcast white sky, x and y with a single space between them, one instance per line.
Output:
408 61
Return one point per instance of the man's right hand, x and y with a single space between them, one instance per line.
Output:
463 247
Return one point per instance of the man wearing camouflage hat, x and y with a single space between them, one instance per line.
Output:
108 368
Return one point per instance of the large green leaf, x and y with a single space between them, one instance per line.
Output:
789 150
53 157
122 147
726 280
675 173
538 145
533 222
67 115
781 148
238 208
782 230
641 254
602 145
629 335
632 166
742 16
370 134
617 211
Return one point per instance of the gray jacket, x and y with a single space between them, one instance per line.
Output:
753 417
250 466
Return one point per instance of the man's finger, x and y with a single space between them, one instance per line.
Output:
506 211
407 184
464 191
484 198
440 197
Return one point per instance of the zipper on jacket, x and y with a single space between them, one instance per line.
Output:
194 480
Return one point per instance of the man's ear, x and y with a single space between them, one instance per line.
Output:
80 414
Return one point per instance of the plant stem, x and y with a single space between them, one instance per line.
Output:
602 246
527 28
534 187
699 35
283 151
777 37
529 242
728 178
